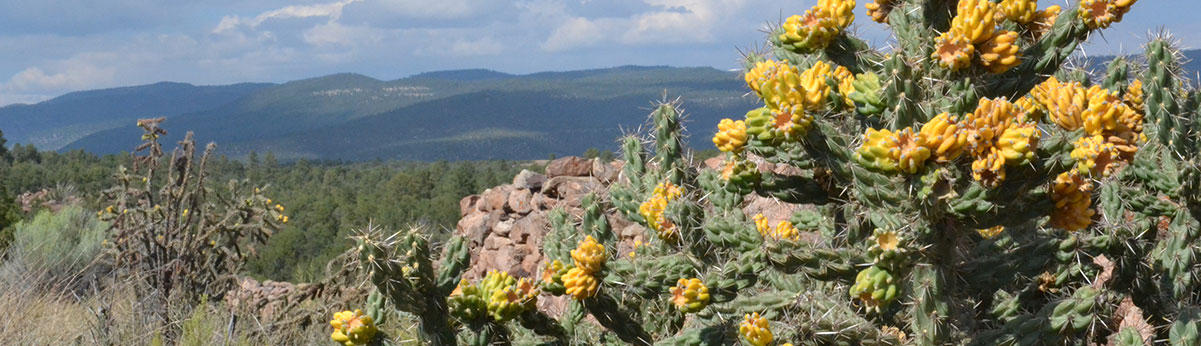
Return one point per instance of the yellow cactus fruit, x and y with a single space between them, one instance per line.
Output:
876 150
773 126
910 156
989 169
731 136
1064 102
976 20
786 231
944 137
809 33
352 328
1031 111
1044 20
1134 95
580 284
989 233
690 295
778 84
953 51
760 73
987 122
589 255
1072 195
1018 143
1126 143
843 11
1123 7
755 329
879 10
652 210
762 225
1104 111
818 26
1098 14
1000 53
509 301
1018 11
846 85
783 90
816 89
1094 155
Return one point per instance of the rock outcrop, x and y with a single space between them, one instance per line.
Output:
505 225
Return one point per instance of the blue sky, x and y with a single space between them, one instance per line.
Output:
50 47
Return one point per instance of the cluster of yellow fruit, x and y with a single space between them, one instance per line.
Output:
1112 128
1072 195
499 296
352 328
589 257
279 214
731 136
652 210
755 329
996 134
818 27
974 33
879 10
1099 14
784 230
790 95
889 151
690 295
1112 125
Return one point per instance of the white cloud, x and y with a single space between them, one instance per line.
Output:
428 8
333 11
667 22
84 70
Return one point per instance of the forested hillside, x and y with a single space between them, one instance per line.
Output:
324 199
452 115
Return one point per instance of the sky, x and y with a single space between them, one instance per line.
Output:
52 47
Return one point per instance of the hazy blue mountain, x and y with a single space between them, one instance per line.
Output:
56 122
471 114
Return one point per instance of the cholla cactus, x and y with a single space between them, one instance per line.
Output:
971 198
177 237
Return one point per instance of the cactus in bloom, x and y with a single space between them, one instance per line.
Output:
964 186
352 328
690 295
755 329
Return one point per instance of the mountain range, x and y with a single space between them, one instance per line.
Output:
447 115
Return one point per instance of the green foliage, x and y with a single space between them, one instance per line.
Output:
62 242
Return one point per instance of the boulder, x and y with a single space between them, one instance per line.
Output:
570 166
530 229
496 198
502 228
474 227
604 172
521 201
571 189
497 242
529 180
467 204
